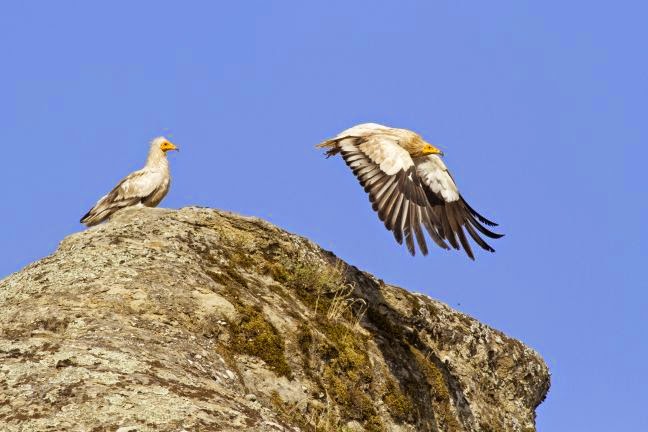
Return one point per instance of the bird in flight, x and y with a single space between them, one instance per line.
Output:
410 187
145 187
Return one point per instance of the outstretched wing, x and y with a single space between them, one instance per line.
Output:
450 209
132 190
388 174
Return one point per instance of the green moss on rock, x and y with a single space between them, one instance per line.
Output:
254 335
315 285
441 399
347 375
400 406
277 271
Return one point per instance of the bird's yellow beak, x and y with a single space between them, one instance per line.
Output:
430 149
167 146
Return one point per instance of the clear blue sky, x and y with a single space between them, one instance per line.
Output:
539 106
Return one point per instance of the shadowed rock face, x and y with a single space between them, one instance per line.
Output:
202 320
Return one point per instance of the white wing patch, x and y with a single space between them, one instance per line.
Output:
385 152
434 174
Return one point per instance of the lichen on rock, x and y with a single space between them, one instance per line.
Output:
199 319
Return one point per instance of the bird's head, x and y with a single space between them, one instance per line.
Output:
415 144
163 144
419 147
429 149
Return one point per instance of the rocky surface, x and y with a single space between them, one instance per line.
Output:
203 320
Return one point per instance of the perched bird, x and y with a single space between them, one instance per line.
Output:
147 186
409 187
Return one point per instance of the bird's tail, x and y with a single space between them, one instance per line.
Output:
331 145
94 217
103 210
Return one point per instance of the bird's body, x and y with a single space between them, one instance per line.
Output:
410 187
147 186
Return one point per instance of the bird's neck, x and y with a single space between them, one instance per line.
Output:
157 159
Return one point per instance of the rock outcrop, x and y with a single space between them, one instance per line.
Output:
203 320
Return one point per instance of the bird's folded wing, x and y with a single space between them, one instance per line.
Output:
136 186
388 174
450 210
131 190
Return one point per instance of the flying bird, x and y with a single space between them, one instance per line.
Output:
145 187
410 187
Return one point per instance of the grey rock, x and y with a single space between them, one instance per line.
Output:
164 320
